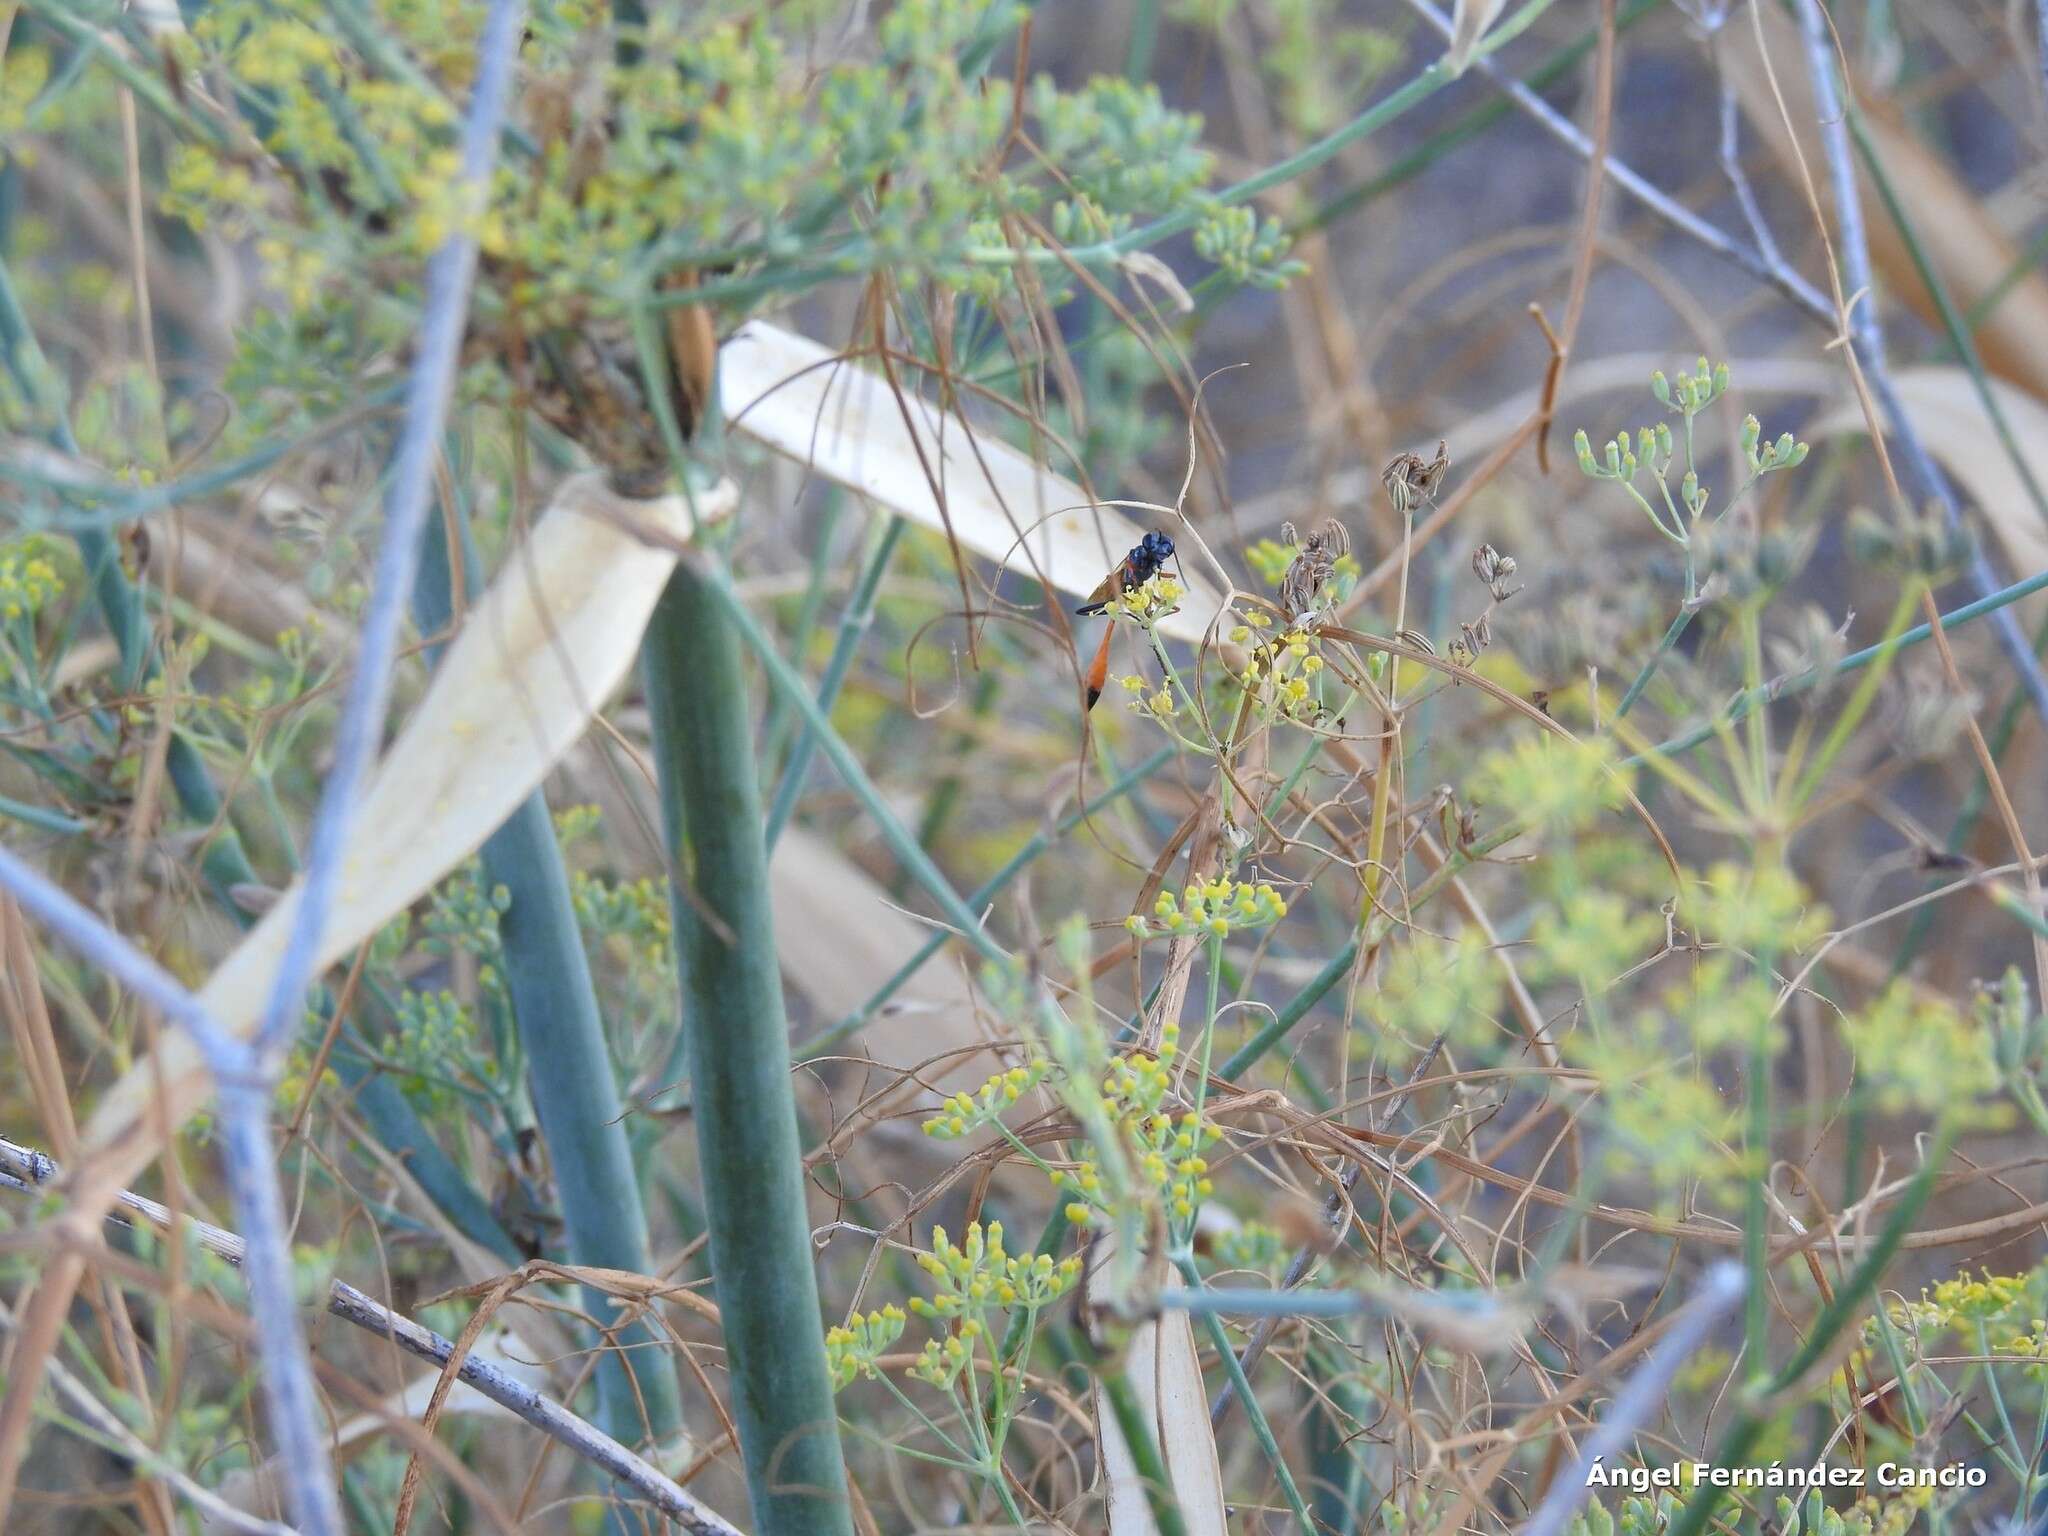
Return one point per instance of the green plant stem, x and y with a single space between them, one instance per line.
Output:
149 86
1342 1494
1050 1241
1902 1373
1296 1008
1988 301
224 862
853 627
1635 689
775 726
1277 1028
392 1120
1749 698
1859 702
1972 809
745 1112
1144 39
2015 907
571 1077
785 679
40 817
1130 1418
945 795
1254 1414
106 505
1756 1230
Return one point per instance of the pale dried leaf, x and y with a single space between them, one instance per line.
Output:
1469 21
840 937
844 422
550 641
1165 1372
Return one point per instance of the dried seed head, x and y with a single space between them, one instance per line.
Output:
1493 570
1811 649
1924 545
1410 479
1305 586
1926 716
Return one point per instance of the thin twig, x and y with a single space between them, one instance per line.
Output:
248 1151
1745 194
107 952
247 1145
293 1410
25 1168
1751 260
1333 1211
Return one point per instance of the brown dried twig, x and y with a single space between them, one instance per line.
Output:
27 1169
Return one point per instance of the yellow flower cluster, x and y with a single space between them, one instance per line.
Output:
965 1112
1209 907
1151 602
941 1361
1914 1054
28 579
1979 1301
1290 659
1256 621
1161 705
633 912
852 1349
977 1273
1167 1150
2031 1345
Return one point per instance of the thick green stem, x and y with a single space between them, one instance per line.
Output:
740 1086
576 1097
1130 1418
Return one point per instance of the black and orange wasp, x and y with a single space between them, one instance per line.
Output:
1144 562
